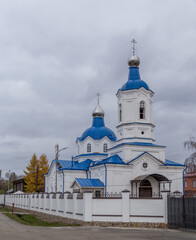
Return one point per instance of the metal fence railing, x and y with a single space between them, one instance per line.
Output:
181 211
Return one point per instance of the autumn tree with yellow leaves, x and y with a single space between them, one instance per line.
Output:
34 174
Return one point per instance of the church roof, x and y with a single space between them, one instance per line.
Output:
166 163
73 165
138 144
111 160
134 80
86 182
171 163
98 131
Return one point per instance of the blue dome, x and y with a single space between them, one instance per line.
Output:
98 131
134 81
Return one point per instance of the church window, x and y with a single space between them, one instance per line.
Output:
185 183
120 112
105 147
145 165
194 183
88 147
142 110
97 193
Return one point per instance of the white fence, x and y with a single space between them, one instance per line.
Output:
89 209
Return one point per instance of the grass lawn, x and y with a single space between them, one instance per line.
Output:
29 219
4 209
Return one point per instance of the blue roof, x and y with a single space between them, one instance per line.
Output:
98 131
134 80
85 182
138 144
74 165
171 163
111 160
142 155
167 162
91 154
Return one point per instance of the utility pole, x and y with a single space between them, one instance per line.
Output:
57 150
9 181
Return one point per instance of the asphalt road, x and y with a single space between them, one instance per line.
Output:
11 230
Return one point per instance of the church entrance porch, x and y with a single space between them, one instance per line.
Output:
149 186
145 188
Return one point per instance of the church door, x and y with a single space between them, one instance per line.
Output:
145 189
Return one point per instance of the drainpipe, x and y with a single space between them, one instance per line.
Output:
105 180
72 161
183 179
90 173
63 182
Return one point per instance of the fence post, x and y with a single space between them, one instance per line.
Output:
75 194
125 205
57 202
87 206
165 199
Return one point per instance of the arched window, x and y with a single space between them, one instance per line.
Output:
105 147
88 147
142 110
120 112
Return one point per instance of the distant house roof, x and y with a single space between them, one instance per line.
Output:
193 174
90 183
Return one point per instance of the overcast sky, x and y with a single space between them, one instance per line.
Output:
56 55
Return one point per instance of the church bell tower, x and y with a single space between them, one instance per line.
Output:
135 103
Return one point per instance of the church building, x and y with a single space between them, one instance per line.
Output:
108 163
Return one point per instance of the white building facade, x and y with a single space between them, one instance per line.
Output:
128 160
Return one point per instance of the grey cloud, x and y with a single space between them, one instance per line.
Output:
56 55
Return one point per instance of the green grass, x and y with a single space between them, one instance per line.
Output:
5 209
29 219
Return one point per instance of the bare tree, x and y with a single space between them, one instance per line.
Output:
190 162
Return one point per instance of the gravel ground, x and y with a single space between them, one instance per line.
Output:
12 230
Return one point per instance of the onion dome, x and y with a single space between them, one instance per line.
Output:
98 111
98 130
134 80
134 61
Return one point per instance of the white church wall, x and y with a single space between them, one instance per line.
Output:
130 105
129 152
98 172
69 177
118 178
96 145
93 157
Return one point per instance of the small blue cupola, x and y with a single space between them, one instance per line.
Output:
98 130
